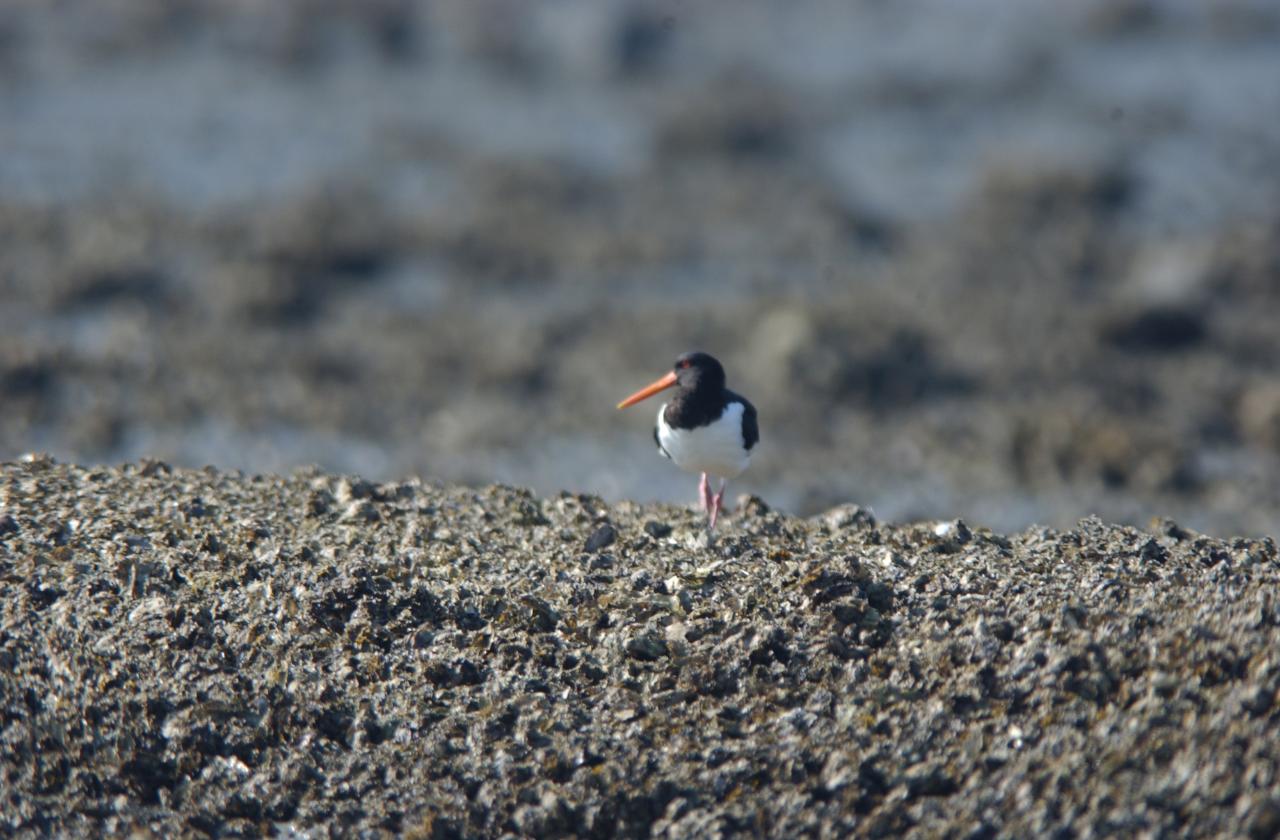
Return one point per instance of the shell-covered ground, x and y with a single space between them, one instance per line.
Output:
214 653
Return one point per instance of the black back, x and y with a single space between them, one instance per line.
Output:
701 398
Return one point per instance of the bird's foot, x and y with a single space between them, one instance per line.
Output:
704 491
714 506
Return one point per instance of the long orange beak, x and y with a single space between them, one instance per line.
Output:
649 390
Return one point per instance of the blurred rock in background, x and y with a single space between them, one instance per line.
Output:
1009 261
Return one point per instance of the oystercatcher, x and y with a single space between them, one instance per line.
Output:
706 428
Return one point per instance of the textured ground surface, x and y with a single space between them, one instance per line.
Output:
221 654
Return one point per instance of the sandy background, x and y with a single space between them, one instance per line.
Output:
1011 261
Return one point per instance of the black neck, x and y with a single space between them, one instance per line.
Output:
701 406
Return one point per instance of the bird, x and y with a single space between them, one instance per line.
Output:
705 428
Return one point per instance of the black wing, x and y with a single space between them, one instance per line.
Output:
664 452
750 426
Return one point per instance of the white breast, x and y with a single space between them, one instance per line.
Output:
716 448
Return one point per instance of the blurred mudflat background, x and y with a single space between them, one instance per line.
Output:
1009 261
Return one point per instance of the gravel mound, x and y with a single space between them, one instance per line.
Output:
211 653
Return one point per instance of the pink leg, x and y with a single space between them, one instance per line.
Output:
704 489
716 501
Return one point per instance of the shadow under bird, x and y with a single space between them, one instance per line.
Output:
705 428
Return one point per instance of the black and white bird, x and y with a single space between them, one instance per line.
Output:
705 428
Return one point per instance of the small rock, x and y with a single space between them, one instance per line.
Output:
544 617
930 782
349 489
836 773
685 600
361 511
956 531
529 513
601 537
1001 629
1259 701
1172 529
152 467
8 525
1266 820
646 648
318 502
879 595
848 516
847 613
1153 552
656 529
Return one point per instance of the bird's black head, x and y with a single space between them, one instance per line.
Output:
698 371
700 377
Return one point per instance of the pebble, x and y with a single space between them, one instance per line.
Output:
601 538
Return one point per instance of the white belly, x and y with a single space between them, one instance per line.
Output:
716 448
